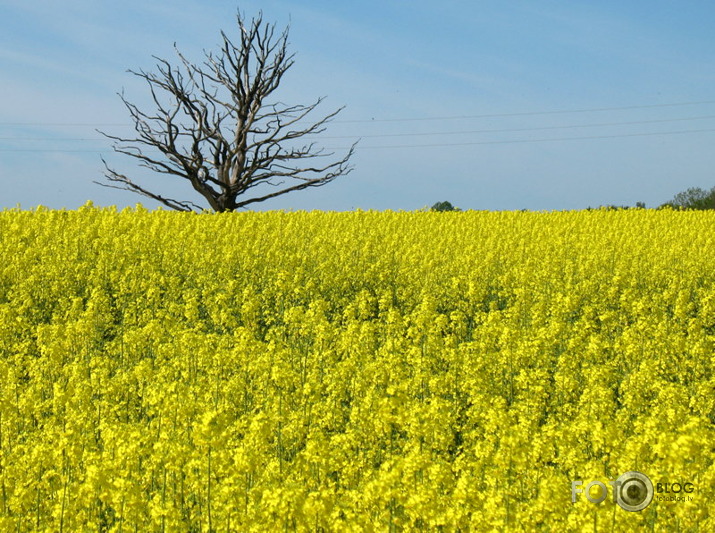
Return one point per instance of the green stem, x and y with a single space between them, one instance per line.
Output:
209 491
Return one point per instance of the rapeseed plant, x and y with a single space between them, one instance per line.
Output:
353 371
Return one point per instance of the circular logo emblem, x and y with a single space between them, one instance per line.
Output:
634 491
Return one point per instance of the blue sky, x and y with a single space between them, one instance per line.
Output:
488 104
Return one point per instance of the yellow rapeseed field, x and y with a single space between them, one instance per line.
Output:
361 371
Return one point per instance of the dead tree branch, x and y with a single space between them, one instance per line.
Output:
213 126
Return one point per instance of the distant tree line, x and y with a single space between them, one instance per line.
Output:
444 206
693 198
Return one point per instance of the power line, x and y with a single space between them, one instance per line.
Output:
62 124
52 150
435 145
525 141
528 113
423 134
414 119
51 139
505 130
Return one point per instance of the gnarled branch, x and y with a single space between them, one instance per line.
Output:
213 126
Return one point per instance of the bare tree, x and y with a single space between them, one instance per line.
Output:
214 127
